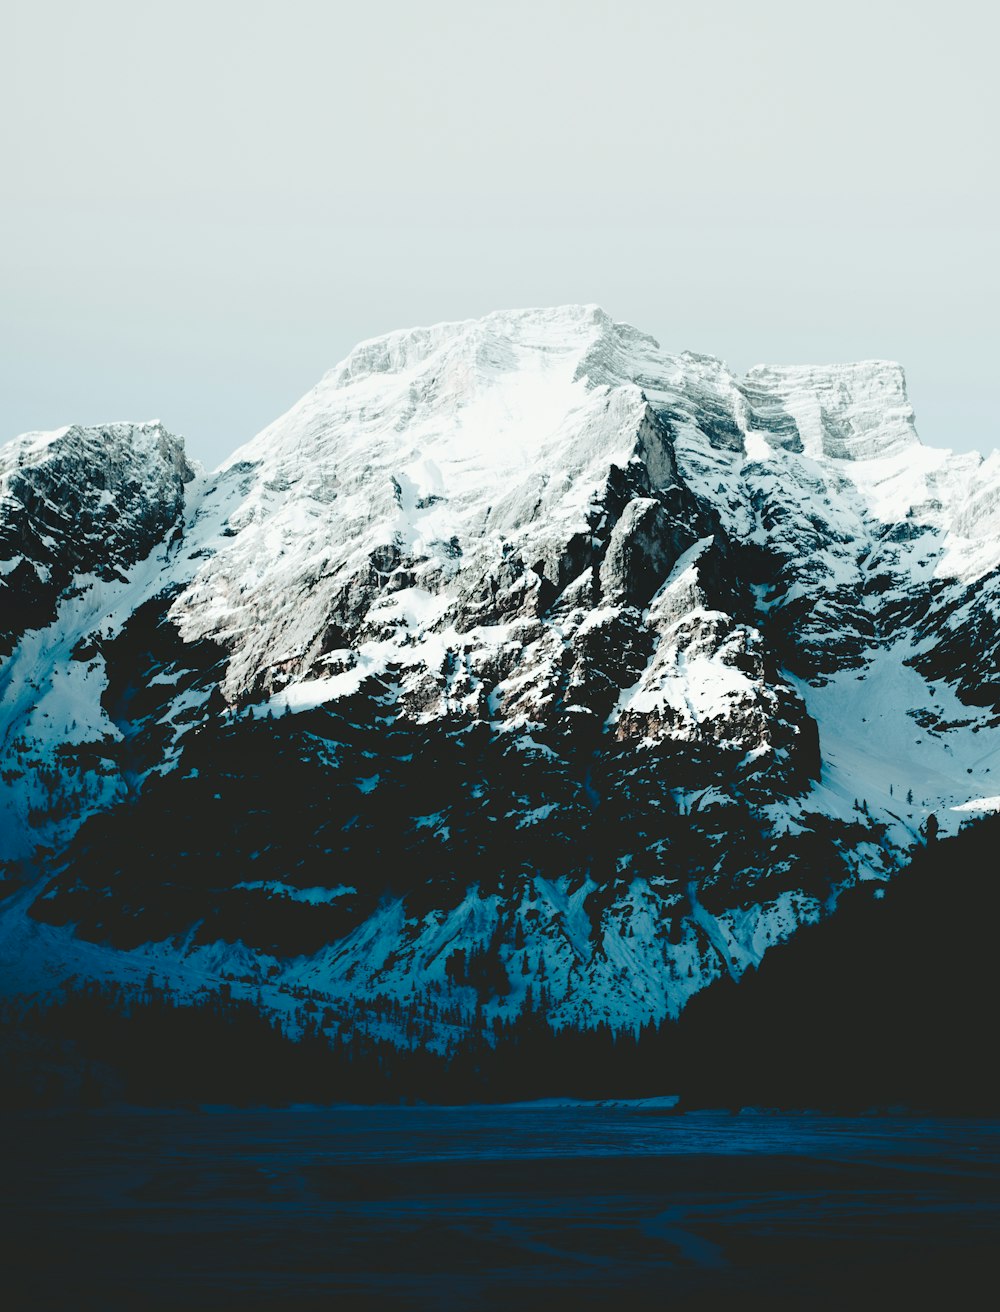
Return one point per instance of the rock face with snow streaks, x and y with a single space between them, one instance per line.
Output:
850 412
82 501
520 660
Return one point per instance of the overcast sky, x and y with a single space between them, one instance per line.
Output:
203 206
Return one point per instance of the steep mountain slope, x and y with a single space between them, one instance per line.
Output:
520 661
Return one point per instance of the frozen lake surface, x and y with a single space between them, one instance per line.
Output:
494 1208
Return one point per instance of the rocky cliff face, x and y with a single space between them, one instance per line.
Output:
80 504
519 661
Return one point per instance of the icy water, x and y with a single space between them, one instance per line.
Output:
495 1208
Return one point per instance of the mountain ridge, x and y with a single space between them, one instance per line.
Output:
631 613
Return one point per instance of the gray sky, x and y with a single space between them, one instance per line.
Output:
204 205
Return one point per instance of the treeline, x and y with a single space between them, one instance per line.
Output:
101 1046
889 1002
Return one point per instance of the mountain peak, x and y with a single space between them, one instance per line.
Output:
854 411
519 655
497 342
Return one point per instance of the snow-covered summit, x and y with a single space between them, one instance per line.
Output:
495 344
429 453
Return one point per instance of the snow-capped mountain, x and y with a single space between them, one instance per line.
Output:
520 662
